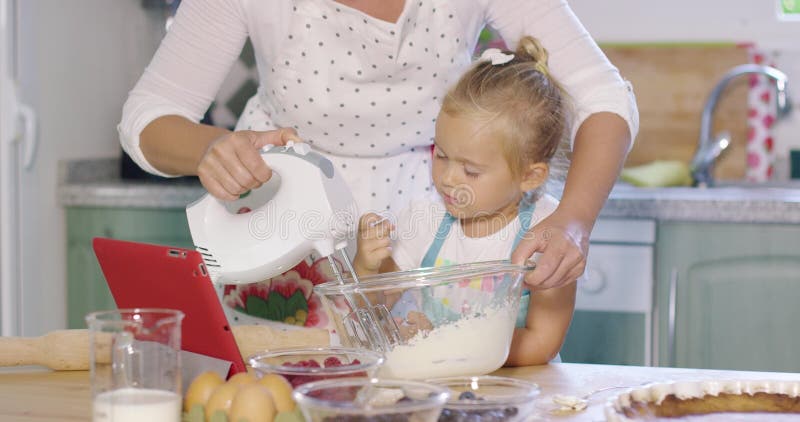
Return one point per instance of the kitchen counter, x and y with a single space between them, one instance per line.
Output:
39 396
95 183
727 204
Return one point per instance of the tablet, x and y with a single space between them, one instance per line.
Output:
142 275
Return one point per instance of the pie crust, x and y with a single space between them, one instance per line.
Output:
735 400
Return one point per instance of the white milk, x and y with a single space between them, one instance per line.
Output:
469 346
137 405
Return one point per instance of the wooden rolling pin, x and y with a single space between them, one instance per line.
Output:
68 350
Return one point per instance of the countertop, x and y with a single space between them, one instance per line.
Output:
31 395
96 183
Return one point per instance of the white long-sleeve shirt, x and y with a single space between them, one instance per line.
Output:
363 91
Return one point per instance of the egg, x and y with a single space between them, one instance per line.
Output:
221 399
252 403
281 391
242 378
200 389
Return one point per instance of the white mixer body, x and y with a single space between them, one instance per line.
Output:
304 207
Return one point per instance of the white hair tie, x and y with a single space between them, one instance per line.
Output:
496 56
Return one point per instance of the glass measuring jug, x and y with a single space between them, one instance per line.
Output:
135 366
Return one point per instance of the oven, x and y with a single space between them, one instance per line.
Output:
613 316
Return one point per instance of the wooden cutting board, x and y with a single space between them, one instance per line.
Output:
672 83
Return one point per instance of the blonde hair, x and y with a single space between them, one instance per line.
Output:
521 101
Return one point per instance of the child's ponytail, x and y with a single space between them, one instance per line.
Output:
530 49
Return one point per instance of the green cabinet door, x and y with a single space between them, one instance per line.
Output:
86 287
605 337
734 291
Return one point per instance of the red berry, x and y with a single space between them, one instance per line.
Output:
311 363
355 362
332 361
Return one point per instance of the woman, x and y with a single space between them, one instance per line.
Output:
362 81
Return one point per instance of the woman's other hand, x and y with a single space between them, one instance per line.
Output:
232 164
374 244
563 242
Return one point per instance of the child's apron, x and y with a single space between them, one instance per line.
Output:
524 216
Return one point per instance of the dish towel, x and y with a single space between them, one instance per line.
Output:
761 112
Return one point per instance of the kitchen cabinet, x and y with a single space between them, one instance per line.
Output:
86 286
727 295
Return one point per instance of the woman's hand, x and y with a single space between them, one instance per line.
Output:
563 242
374 244
232 163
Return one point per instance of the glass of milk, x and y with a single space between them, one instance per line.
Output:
135 365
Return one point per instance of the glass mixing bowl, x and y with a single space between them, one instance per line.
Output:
368 400
440 322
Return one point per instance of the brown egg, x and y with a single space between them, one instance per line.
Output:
200 389
252 403
242 378
281 391
221 399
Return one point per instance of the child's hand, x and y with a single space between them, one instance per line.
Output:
414 323
374 244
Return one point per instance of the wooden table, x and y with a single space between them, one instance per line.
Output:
36 395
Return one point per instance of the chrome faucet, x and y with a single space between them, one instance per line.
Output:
709 148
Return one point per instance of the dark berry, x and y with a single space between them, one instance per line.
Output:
448 415
467 395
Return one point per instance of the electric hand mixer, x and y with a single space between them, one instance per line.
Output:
304 207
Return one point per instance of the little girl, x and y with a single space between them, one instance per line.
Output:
496 134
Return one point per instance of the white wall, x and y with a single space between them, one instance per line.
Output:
687 21
753 21
78 59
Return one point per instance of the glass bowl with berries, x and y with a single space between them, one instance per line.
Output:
370 399
303 365
487 399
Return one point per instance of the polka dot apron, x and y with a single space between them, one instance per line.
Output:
365 93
